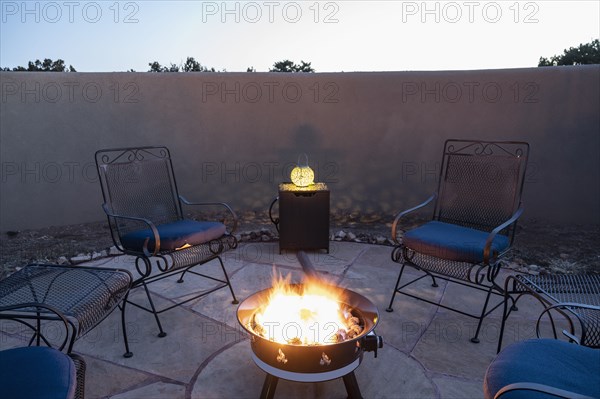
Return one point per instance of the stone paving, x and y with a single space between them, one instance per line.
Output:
427 351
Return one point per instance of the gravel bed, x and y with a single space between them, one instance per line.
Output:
539 248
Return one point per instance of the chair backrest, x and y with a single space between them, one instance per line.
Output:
139 182
481 183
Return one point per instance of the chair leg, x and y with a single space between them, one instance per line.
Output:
506 311
389 308
183 273
127 353
161 333
433 282
475 339
73 336
235 301
504 317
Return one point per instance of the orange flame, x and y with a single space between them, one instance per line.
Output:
309 314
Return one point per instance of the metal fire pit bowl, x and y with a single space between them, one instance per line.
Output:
312 363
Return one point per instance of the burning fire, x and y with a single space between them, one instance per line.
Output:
309 314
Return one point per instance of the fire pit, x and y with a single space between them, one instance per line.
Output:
309 332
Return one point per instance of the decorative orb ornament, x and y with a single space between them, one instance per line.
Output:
302 175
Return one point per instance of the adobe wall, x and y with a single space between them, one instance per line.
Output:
374 138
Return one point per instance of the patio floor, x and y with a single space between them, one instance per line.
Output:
426 353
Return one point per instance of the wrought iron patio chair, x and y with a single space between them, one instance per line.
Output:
575 297
476 208
78 296
146 220
545 368
33 302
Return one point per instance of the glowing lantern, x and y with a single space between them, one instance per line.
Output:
303 175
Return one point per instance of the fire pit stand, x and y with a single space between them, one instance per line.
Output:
344 358
273 376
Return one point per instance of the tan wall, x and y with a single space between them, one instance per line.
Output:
375 138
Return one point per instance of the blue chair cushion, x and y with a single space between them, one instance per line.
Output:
551 362
452 242
36 372
174 235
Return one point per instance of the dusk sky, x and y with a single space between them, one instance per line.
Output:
106 36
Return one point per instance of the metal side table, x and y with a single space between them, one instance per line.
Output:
303 221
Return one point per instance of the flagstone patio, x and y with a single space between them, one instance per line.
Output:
206 354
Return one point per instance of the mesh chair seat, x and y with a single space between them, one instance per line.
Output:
577 288
85 295
195 254
453 269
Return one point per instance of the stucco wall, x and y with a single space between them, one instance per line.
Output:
375 138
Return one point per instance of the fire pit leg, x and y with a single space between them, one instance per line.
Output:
269 386
352 386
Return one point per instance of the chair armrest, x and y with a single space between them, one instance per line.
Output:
223 204
580 318
404 213
530 386
143 220
488 243
20 315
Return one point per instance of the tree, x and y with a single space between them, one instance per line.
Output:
588 53
156 67
190 65
43 66
289 66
